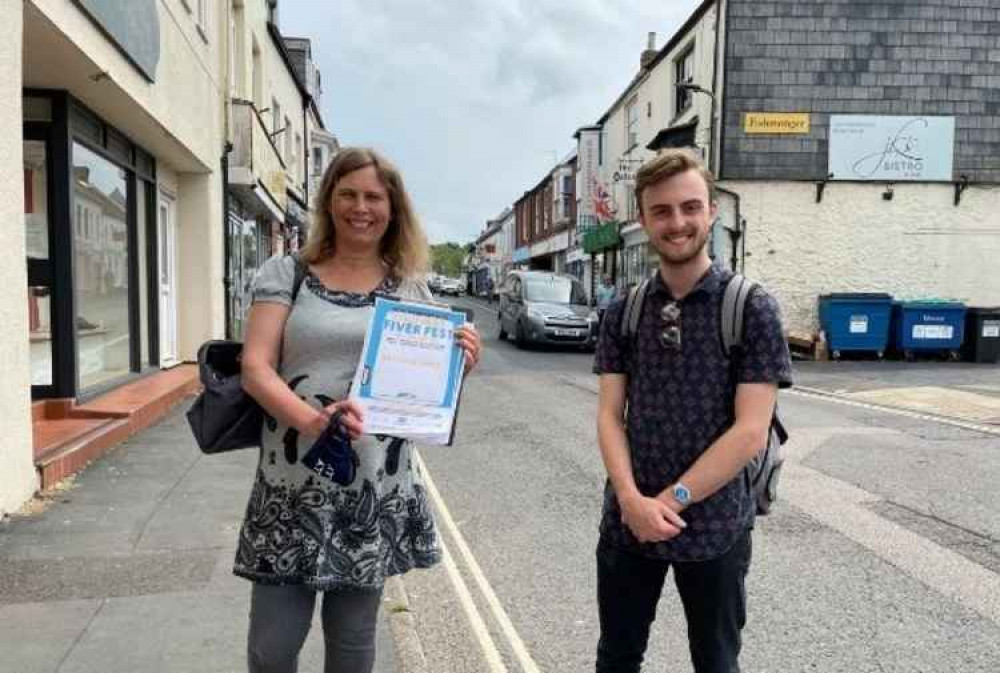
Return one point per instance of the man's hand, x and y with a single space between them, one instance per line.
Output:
650 519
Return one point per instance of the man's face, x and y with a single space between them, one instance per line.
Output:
677 216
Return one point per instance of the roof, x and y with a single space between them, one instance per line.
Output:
279 42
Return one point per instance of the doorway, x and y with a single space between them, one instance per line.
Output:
167 274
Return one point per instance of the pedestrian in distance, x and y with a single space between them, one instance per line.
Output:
303 535
606 293
678 422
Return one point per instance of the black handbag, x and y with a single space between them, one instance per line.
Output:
224 417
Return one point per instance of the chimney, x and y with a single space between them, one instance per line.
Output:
649 53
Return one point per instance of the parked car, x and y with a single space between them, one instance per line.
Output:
546 308
434 283
451 286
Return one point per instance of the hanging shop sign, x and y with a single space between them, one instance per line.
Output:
605 235
883 148
588 166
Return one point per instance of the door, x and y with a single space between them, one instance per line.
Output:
40 286
167 246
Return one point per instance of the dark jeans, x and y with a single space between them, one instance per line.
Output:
713 594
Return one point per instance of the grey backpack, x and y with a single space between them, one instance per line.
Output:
763 471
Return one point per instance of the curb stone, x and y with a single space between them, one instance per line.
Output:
409 651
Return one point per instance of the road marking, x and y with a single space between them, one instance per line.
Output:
846 509
524 659
479 628
816 393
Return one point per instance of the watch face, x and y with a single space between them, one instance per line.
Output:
682 494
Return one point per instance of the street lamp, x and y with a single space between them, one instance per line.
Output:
694 88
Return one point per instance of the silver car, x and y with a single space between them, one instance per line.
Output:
546 308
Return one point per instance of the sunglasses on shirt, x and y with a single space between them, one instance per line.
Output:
670 335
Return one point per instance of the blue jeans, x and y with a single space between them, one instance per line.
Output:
713 593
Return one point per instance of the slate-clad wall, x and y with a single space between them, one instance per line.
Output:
878 57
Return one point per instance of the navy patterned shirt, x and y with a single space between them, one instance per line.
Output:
680 401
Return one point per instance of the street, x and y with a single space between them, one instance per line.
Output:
883 554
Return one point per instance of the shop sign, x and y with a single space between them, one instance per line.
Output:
133 26
602 237
882 148
588 149
776 122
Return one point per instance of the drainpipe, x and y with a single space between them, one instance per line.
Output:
737 236
227 147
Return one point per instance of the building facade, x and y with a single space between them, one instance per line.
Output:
855 148
882 175
135 123
544 219
273 116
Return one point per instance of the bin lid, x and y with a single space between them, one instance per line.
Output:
856 296
984 310
932 305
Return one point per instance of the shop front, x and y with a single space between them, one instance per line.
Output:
100 252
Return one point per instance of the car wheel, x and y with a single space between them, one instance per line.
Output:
519 339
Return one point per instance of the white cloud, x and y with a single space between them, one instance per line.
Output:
471 98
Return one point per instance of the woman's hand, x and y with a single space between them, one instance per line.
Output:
468 339
347 412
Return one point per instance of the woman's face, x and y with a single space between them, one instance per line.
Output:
361 209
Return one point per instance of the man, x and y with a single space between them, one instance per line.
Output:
605 295
676 496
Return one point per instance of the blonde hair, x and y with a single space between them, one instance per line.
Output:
404 246
668 164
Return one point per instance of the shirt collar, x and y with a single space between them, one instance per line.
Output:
709 283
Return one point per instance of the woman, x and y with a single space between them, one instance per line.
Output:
304 535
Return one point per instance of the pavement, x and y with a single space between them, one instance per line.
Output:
126 567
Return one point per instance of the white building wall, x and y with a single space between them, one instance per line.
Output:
918 245
278 84
655 99
185 97
18 479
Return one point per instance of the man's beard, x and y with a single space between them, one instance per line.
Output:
686 256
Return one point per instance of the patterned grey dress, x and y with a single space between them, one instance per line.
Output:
301 528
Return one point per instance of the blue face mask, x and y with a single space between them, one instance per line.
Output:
332 457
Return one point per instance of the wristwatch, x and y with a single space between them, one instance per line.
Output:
682 494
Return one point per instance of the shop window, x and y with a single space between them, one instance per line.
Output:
100 266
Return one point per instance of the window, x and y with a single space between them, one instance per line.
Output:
202 18
275 115
632 124
683 73
298 154
289 147
258 76
100 264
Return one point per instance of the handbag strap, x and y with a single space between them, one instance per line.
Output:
301 268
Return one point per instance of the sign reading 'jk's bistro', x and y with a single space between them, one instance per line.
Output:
880 148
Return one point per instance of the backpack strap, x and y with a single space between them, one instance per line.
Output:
633 309
734 303
300 275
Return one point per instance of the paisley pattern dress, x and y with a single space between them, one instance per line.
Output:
300 528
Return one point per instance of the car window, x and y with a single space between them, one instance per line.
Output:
554 289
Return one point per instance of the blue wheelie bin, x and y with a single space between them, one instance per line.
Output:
928 327
856 322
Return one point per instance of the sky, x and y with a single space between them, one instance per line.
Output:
474 100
